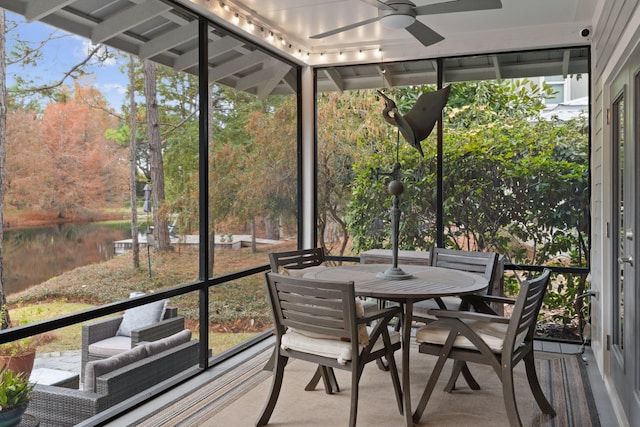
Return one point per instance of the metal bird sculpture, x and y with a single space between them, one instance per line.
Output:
418 123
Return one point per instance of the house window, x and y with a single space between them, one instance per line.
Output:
557 83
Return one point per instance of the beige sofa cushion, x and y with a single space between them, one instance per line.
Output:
110 346
100 367
163 344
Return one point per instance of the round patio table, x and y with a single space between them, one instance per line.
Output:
426 283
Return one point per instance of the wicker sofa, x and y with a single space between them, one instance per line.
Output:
101 339
143 367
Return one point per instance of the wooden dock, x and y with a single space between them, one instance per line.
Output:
238 241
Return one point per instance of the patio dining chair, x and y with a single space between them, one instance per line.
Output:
296 263
323 322
482 263
493 340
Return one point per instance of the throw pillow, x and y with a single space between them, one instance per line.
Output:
139 317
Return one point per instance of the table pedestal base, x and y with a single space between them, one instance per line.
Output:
394 273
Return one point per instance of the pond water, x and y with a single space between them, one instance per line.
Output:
34 255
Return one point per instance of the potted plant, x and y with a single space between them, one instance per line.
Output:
15 392
19 356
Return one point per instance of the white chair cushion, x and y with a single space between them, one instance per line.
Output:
421 308
110 346
300 272
332 347
491 333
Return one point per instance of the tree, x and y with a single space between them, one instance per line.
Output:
511 175
84 169
350 128
161 226
366 202
25 159
510 179
24 54
133 175
269 163
178 95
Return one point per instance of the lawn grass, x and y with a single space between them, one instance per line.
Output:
67 338
238 309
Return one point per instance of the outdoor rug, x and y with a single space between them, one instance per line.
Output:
565 382
237 397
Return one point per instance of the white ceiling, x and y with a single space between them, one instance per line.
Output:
518 25
162 31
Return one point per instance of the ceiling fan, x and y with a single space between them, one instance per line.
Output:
399 14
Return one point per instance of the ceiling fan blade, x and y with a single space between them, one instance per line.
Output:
458 6
424 34
379 4
345 28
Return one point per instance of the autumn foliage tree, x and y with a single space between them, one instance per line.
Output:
269 162
23 159
62 162
23 53
349 128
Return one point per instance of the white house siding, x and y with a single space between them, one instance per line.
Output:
616 33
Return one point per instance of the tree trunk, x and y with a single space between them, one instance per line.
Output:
322 227
132 163
254 247
272 228
160 222
212 247
4 313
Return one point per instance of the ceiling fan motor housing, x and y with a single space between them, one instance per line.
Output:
401 16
